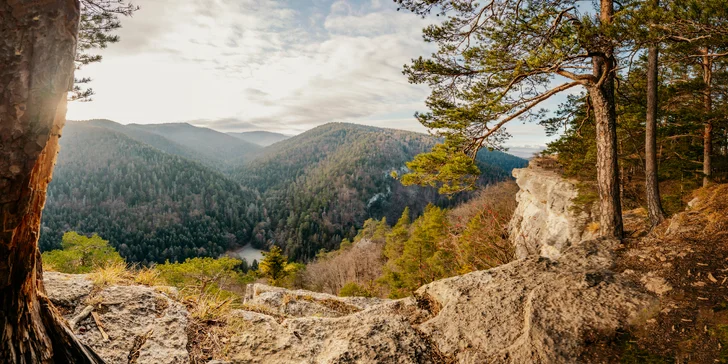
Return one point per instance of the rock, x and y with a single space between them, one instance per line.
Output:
301 303
534 310
545 221
140 321
657 284
67 290
381 334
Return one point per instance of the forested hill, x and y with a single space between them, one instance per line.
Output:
262 138
149 204
320 186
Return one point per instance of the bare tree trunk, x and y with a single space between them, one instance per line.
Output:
37 49
652 186
601 95
707 63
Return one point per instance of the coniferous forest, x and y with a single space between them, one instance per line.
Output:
166 193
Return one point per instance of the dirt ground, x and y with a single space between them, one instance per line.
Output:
684 261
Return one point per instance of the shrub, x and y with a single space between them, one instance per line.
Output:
81 254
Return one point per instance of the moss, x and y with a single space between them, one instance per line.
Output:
721 333
632 353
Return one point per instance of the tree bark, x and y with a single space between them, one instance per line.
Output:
707 64
37 49
603 102
652 186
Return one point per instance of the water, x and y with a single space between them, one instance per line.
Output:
248 253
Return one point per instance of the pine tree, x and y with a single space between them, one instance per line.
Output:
394 244
273 264
497 62
420 262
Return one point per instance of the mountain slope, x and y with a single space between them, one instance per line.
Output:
262 138
224 149
320 186
150 205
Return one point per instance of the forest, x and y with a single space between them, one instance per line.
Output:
158 196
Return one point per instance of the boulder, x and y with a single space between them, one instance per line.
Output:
127 324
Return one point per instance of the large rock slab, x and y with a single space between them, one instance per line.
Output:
546 221
143 324
535 310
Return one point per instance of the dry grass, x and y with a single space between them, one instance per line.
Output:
148 277
110 274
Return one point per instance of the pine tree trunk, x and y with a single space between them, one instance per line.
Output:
603 102
707 64
610 219
652 186
37 50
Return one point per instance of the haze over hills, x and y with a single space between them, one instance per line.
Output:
172 191
226 149
260 137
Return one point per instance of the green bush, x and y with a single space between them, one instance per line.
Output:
81 254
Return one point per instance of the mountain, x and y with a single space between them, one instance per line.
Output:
262 138
151 205
319 187
226 150
154 140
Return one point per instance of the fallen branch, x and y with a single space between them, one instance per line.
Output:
97 320
74 321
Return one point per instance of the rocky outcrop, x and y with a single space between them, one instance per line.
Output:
123 324
546 220
534 310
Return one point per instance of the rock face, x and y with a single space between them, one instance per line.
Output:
546 221
534 310
143 324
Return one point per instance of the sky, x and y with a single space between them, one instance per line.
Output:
278 65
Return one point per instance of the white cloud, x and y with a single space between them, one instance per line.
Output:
286 66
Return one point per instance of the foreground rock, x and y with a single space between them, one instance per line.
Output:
535 310
124 324
546 220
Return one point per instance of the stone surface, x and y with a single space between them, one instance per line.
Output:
534 310
301 303
140 321
67 290
545 221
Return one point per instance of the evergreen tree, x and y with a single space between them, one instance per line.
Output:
497 61
273 264
395 239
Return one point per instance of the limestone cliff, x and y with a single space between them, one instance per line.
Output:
546 220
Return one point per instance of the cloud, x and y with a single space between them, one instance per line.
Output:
279 65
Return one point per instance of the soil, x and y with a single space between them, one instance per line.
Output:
684 262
